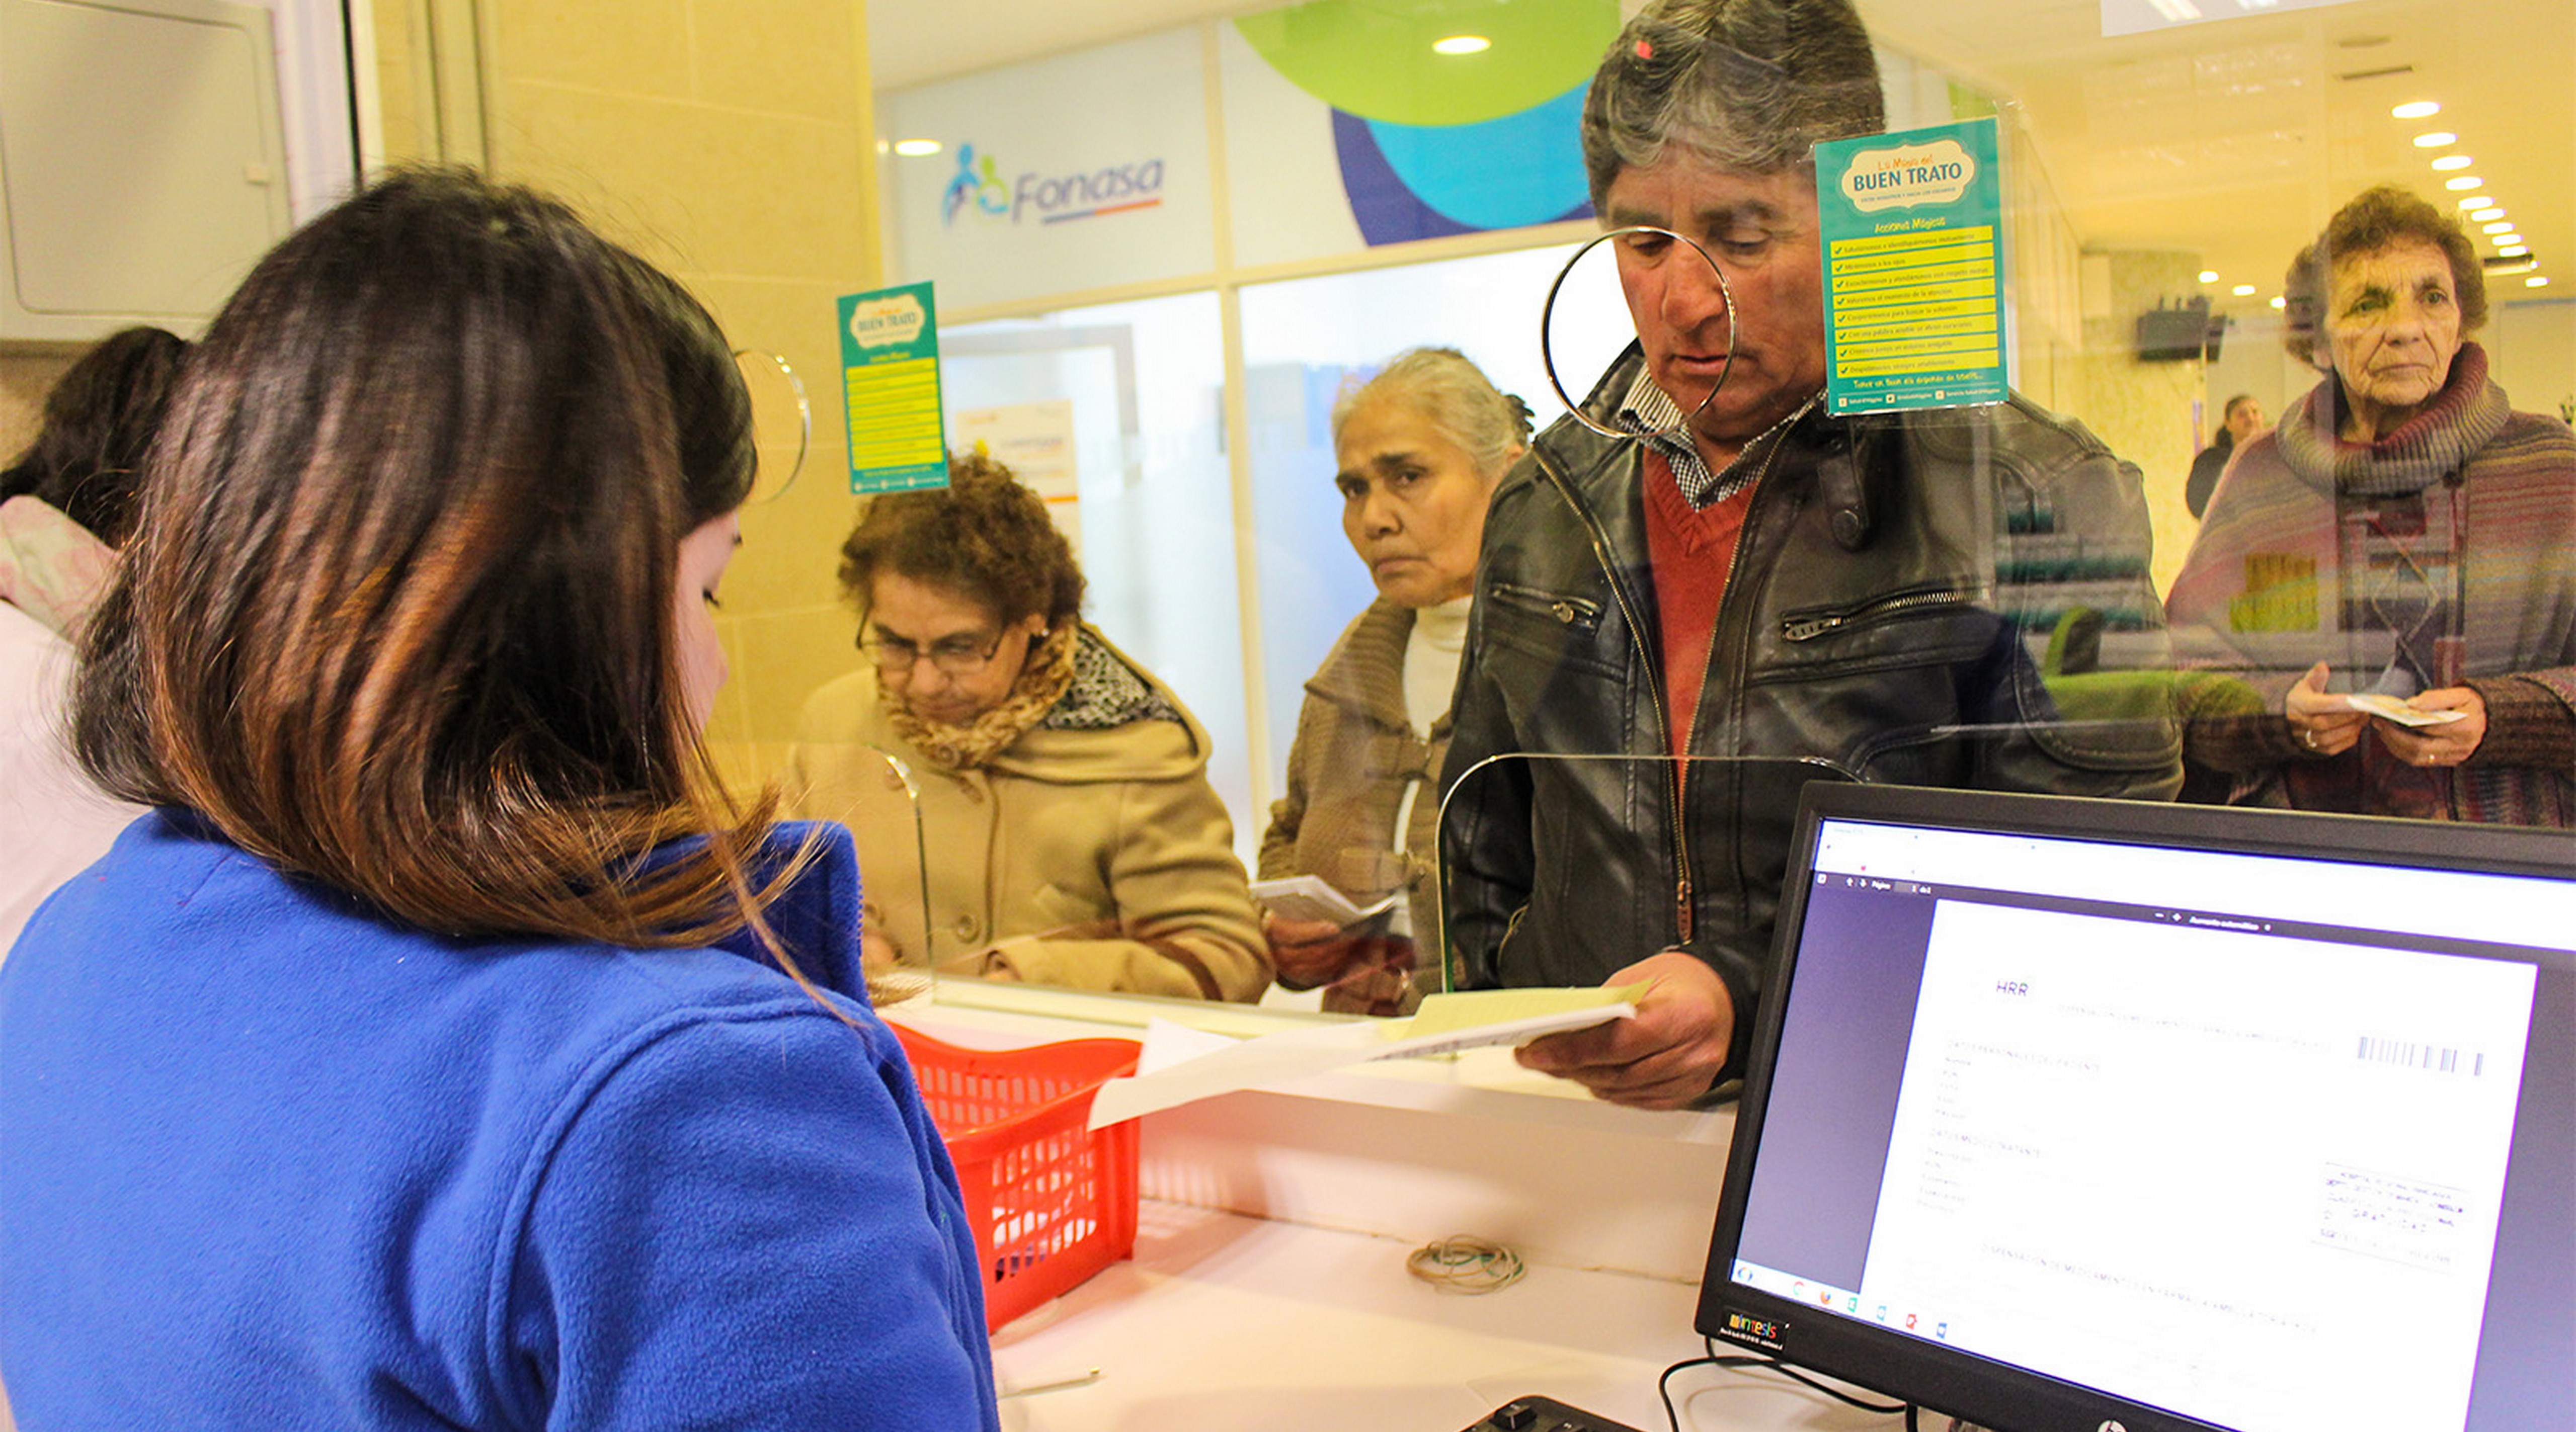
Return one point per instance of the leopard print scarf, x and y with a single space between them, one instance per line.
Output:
1044 679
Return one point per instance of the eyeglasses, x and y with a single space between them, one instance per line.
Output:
960 655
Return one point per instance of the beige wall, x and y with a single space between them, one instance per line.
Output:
731 142
25 378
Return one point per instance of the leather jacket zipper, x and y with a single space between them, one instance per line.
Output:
1685 911
1688 912
1808 628
1655 683
1571 611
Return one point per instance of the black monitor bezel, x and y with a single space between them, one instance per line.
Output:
1957 1382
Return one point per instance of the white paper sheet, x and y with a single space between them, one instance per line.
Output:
2391 709
1181 1066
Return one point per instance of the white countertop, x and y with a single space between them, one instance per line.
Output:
1269 1289
1412 1149
1224 1322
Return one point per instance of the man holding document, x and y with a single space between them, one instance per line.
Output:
1707 589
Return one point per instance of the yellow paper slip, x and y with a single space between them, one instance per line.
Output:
1472 1009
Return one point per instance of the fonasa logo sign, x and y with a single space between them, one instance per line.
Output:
1047 198
977 183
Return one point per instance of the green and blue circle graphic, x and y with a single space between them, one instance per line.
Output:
1432 144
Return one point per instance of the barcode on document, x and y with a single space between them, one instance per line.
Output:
2407 1054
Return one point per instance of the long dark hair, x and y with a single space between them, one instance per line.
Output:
398 613
87 461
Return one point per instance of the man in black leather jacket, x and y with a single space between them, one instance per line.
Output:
1956 597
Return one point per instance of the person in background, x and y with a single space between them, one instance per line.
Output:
446 1049
1752 592
1056 789
2243 419
1420 448
65 506
2404 534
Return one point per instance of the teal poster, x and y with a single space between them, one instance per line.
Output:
1914 265
890 384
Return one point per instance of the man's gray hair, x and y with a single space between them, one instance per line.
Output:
1747 85
1454 396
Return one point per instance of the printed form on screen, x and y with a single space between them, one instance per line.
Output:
2206 1170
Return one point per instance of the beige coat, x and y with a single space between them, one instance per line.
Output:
1098 860
1355 757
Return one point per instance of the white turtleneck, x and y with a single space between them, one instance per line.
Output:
1431 659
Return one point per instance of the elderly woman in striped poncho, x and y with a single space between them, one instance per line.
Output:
2387 573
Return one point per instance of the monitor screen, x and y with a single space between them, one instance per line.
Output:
2077 1114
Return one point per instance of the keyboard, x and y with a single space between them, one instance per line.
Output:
1545 1414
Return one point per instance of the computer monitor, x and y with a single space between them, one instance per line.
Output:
2070 1114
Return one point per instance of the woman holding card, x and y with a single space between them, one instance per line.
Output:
1419 450
2387 569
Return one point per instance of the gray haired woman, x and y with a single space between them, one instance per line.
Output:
1419 450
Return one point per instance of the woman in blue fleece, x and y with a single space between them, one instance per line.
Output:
446 1051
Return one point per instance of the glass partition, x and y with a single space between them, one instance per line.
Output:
1611 892
1306 340
876 795
2201 554
1136 392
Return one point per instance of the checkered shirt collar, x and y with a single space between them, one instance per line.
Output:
1653 416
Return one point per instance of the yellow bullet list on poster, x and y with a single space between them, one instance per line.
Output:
1914 270
894 413
890 380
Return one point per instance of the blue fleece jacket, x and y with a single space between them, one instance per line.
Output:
270 1161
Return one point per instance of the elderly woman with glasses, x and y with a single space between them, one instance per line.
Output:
1066 825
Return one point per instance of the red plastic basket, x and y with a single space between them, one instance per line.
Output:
1051 1203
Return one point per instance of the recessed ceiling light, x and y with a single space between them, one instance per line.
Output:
2243 290
2436 139
2513 251
2209 275
1462 45
2465 181
2536 281
2480 216
2416 109
2500 226
2476 201
2279 302
2453 161
916 148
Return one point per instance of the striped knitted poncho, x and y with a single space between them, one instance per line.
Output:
2444 551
